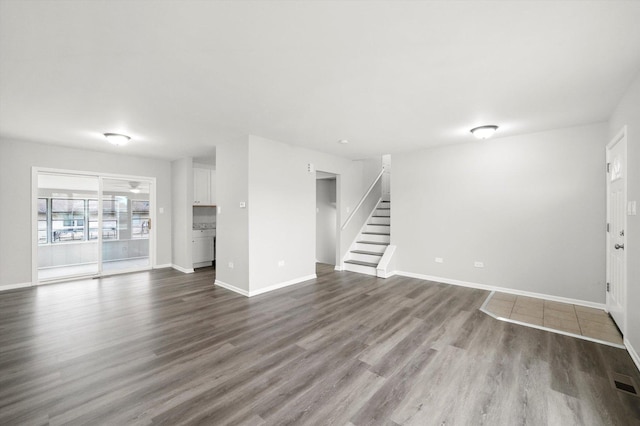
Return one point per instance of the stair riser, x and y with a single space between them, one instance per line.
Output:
378 228
365 257
371 247
385 204
377 238
383 212
380 220
360 269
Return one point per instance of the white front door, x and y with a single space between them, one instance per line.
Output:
616 220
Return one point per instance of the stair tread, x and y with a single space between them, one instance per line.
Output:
378 243
361 263
383 208
376 233
380 216
372 253
379 224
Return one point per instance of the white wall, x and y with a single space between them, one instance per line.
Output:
16 160
326 221
628 113
182 195
232 222
531 207
281 208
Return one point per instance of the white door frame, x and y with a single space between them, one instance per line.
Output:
337 231
620 137
99 175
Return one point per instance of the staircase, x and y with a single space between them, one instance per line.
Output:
366 252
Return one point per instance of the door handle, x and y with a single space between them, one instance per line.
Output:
619 246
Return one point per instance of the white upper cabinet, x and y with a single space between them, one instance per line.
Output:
201 186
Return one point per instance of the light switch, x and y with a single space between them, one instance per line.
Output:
631 208
161 210
243 205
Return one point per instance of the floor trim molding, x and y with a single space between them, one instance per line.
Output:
5 287
265 289
282 285
164 265
183 270
632 353
504 290
233 288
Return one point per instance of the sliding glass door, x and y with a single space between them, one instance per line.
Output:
65 245
126 224
91 225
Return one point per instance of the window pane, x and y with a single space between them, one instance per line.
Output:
67 220
140 219
109 220
42 221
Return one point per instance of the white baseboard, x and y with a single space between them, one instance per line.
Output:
183 270
382 274
265 289
338 268
14 286
165 265
504 290
632 352
232 288
282 285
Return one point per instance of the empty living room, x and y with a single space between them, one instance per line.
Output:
319 212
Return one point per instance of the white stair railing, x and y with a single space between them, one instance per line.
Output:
363 199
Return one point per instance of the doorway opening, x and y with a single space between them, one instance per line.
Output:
327 239
88 225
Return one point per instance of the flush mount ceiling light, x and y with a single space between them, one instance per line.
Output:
117 139
484 132
134 187
343 141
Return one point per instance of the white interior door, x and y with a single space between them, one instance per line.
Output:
616 220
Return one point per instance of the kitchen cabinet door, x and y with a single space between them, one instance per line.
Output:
201 186
202 250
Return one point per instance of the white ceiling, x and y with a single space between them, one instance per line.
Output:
180 77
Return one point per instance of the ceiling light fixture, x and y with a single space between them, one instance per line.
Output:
343 141
484 132
117 139
134 187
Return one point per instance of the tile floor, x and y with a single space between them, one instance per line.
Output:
579 320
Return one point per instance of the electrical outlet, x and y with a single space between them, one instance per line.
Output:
281 263
243 205
230 265
478 264
439 260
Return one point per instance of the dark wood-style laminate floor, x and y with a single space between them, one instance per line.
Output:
162 347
